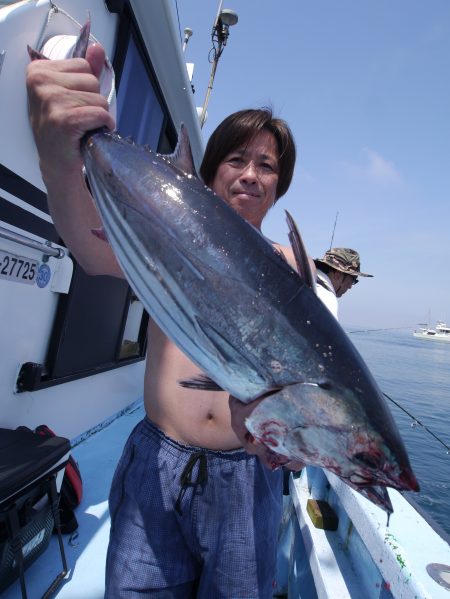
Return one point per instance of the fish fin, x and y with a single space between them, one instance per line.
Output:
35 54
79 50
200 382
301 257
182 156
82 42
230 355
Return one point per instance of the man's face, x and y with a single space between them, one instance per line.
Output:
343 283
247 178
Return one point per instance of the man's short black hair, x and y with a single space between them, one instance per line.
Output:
239 129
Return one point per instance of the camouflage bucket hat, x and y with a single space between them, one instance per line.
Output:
342 259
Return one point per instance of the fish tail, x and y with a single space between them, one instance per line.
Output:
79 50
82 42
35 54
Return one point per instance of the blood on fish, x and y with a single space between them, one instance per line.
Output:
267 440
249 437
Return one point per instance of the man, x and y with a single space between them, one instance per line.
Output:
337 272
192 513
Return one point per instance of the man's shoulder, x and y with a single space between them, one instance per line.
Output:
286 252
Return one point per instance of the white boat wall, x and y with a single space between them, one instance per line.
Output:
359 555
73 346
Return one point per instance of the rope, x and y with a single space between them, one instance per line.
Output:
55 9
186 476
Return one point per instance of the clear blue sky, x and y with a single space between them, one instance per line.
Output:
365 87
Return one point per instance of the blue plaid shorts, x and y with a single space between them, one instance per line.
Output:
191 522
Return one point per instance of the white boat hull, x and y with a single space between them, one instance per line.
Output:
440 333
30 313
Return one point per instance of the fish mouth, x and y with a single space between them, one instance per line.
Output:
408 479
378 495
362 480
373 470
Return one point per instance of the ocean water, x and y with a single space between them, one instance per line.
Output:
416 374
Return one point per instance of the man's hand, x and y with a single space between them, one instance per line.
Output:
239 412
64 103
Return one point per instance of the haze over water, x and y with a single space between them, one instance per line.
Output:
416 374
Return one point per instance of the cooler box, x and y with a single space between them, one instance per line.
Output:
31 471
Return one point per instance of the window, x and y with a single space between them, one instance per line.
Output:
139 114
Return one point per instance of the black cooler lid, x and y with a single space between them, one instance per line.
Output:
25 456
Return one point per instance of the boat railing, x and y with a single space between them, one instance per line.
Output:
46 247
365 555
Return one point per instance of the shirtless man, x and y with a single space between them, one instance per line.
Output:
193 514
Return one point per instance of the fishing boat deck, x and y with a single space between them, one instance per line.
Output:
86 549
362 557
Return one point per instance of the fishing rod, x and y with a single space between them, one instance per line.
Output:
417 421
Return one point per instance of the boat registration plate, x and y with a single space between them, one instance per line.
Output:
18 268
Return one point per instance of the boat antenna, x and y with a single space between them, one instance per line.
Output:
188 33
225 18
334 229
416 421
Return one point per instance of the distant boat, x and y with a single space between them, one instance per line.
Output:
441 332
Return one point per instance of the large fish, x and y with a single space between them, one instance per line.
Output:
221 292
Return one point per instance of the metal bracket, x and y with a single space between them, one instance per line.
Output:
30 376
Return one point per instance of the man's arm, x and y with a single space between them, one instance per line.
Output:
64 103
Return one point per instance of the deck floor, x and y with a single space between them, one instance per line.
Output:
86 553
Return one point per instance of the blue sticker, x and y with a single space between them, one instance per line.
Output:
43 276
